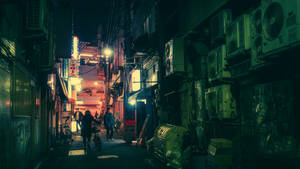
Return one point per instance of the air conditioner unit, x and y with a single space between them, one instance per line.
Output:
174 56
167 145
216 64
281 24
218 25
36 16
220 102
238 39
256 37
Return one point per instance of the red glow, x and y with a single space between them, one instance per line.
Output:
7 103
37 102
129 122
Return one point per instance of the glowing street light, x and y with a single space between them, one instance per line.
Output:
132 102
107 52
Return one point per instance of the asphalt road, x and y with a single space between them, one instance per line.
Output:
115 154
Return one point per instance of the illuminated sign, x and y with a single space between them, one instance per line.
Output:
75 48
51 83
136 80
79 102
72 69
86 54
76 82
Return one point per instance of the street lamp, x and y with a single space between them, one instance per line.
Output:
107 52
132 102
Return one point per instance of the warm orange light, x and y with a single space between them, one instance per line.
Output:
76 82
79 102
107 52
76 152
75 47
37 102
7 103
86 54
136 80
93 61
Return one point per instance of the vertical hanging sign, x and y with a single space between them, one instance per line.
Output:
75 48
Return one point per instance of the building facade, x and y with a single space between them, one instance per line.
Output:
30 107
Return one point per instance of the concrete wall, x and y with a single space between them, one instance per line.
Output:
20 94
5 113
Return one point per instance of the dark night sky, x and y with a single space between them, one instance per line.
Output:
88 15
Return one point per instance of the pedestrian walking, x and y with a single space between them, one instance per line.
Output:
109 123
96 115
86 131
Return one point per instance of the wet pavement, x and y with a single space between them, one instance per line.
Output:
115 154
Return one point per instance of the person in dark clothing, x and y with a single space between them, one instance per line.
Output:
86 131
96 115
109 123
78 117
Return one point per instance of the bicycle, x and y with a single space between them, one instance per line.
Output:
66 133
97 140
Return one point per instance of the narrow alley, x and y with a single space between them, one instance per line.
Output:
149 84
114 154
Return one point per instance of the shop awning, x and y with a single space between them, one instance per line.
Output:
142 94
146 92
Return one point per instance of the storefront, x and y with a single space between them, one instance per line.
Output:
143 112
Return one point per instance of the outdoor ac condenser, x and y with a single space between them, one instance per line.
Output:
219 24
174 56
281 24
216 64
238 38
168 145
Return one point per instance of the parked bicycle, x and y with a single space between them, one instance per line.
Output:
66 133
